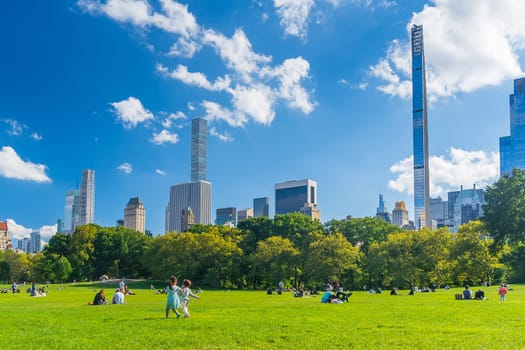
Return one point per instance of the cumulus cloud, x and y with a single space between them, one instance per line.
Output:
184 47
160 172
215 111
449 173
223 137
164 137
168 121
466 48
14 127
13 167
18 231
126 168
197 79
35 136
131 112
293 15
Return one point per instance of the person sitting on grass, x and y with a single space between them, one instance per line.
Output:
479 295
100 298
467 294
118 297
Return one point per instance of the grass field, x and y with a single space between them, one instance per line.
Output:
254 320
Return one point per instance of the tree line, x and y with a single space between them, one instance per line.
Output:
291 247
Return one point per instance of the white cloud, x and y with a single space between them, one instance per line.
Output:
168 122
18 231
15 128
35 136
293 15
131 112
197 79
13 167
223 137
215 111
164 137
126 168
466 48
184 47
256 101
160 172
462 168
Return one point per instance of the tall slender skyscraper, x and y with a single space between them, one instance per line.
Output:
71 211
193 197
420 130
87 197
199 149
512 148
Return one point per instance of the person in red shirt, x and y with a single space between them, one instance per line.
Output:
502 291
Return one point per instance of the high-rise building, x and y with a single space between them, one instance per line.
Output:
5 237
439 211
199 149
261 207
87 197
226 216
420 131
24 244
512 148
468 206
382 212
71 211
135 215
35 245
400 215
292 196
194 195
60 226
244 214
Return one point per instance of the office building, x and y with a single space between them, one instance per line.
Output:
135 215
261 207
71 211
439 211
244 214
512 148
382 212
35 245
60 226
467 206
226 216
194 195
420 131
199 149
5 237
400 215
311 210
24 244
294 196
87 197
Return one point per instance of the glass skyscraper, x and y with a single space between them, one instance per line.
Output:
293 196
87 197
72 211
512 148
420 131
199 149
261 207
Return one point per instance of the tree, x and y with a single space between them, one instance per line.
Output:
275 259
81 251
504 211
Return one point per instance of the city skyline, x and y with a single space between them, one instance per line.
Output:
321 90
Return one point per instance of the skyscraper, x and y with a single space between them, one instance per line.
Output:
199 149
400 214
194 195
224 216
512 148
245 214
382 211
420 131
87 197
135 215
72 211
297 196
261 207
35 245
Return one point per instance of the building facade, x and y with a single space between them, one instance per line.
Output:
420 131
199 149
382 212
439 211
512 148
467 206
135 215
244 214
400 215
87 197
261 207
5 237
36 243
293 196
226 216
194 195
71 211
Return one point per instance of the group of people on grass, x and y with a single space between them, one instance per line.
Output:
480 294
118 296
334 293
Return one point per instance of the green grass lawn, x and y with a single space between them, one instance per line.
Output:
253 320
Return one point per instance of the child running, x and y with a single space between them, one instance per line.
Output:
185 294
173 301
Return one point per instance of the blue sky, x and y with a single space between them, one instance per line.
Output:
292 89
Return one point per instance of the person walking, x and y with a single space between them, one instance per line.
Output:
186 293
502 291
173 300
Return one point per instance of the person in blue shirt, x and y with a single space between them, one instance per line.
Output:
467 293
